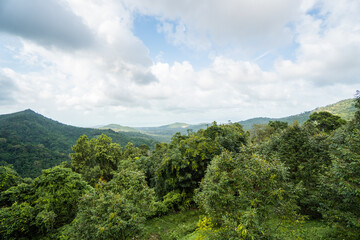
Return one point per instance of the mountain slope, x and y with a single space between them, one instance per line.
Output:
119 128
167 131
32 142
345 109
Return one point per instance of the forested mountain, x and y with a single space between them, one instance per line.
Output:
32 142
344 109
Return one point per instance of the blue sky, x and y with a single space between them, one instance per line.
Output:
148 63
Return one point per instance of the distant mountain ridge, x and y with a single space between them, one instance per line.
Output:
345 109
32 142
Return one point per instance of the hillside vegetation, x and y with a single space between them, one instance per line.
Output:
345 109
280 181
31 142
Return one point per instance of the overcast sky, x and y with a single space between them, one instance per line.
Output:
149 63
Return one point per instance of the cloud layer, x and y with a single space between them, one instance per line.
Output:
81 63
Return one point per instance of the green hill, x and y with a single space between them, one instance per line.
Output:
164 133
345 109
119 128
301 118
32 142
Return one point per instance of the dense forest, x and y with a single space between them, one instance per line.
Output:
277 181
32 142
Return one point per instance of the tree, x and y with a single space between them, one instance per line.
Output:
187 157
8 177
340 194
95 159
105 215
278 125
326 121
17 221
260 133
305 151
57 192
357 106
131 184
241 193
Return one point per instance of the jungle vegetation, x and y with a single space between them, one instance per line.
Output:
278 181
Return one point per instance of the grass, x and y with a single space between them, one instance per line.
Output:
182 226
310 230
179 225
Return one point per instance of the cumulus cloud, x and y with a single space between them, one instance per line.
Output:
46 22
329 45
111 78
255 24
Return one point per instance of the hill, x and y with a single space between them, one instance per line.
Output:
345 109
301 118
161 133
119 128
32 142
167 131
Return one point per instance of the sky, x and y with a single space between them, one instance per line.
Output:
150 63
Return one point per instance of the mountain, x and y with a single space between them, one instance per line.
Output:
119 128
345 109
32 142
165 132
161 133
301 118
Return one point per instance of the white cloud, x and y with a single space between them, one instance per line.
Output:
329 46
115 80
200 24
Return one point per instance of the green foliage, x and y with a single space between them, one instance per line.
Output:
357 106
260 133
21 193
170 227
17 221
131 185
32 142
43 205
57 192
95 159
340 186
305 151
241 193
326 121
344 109
278 125
187 157
8 178
105 215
